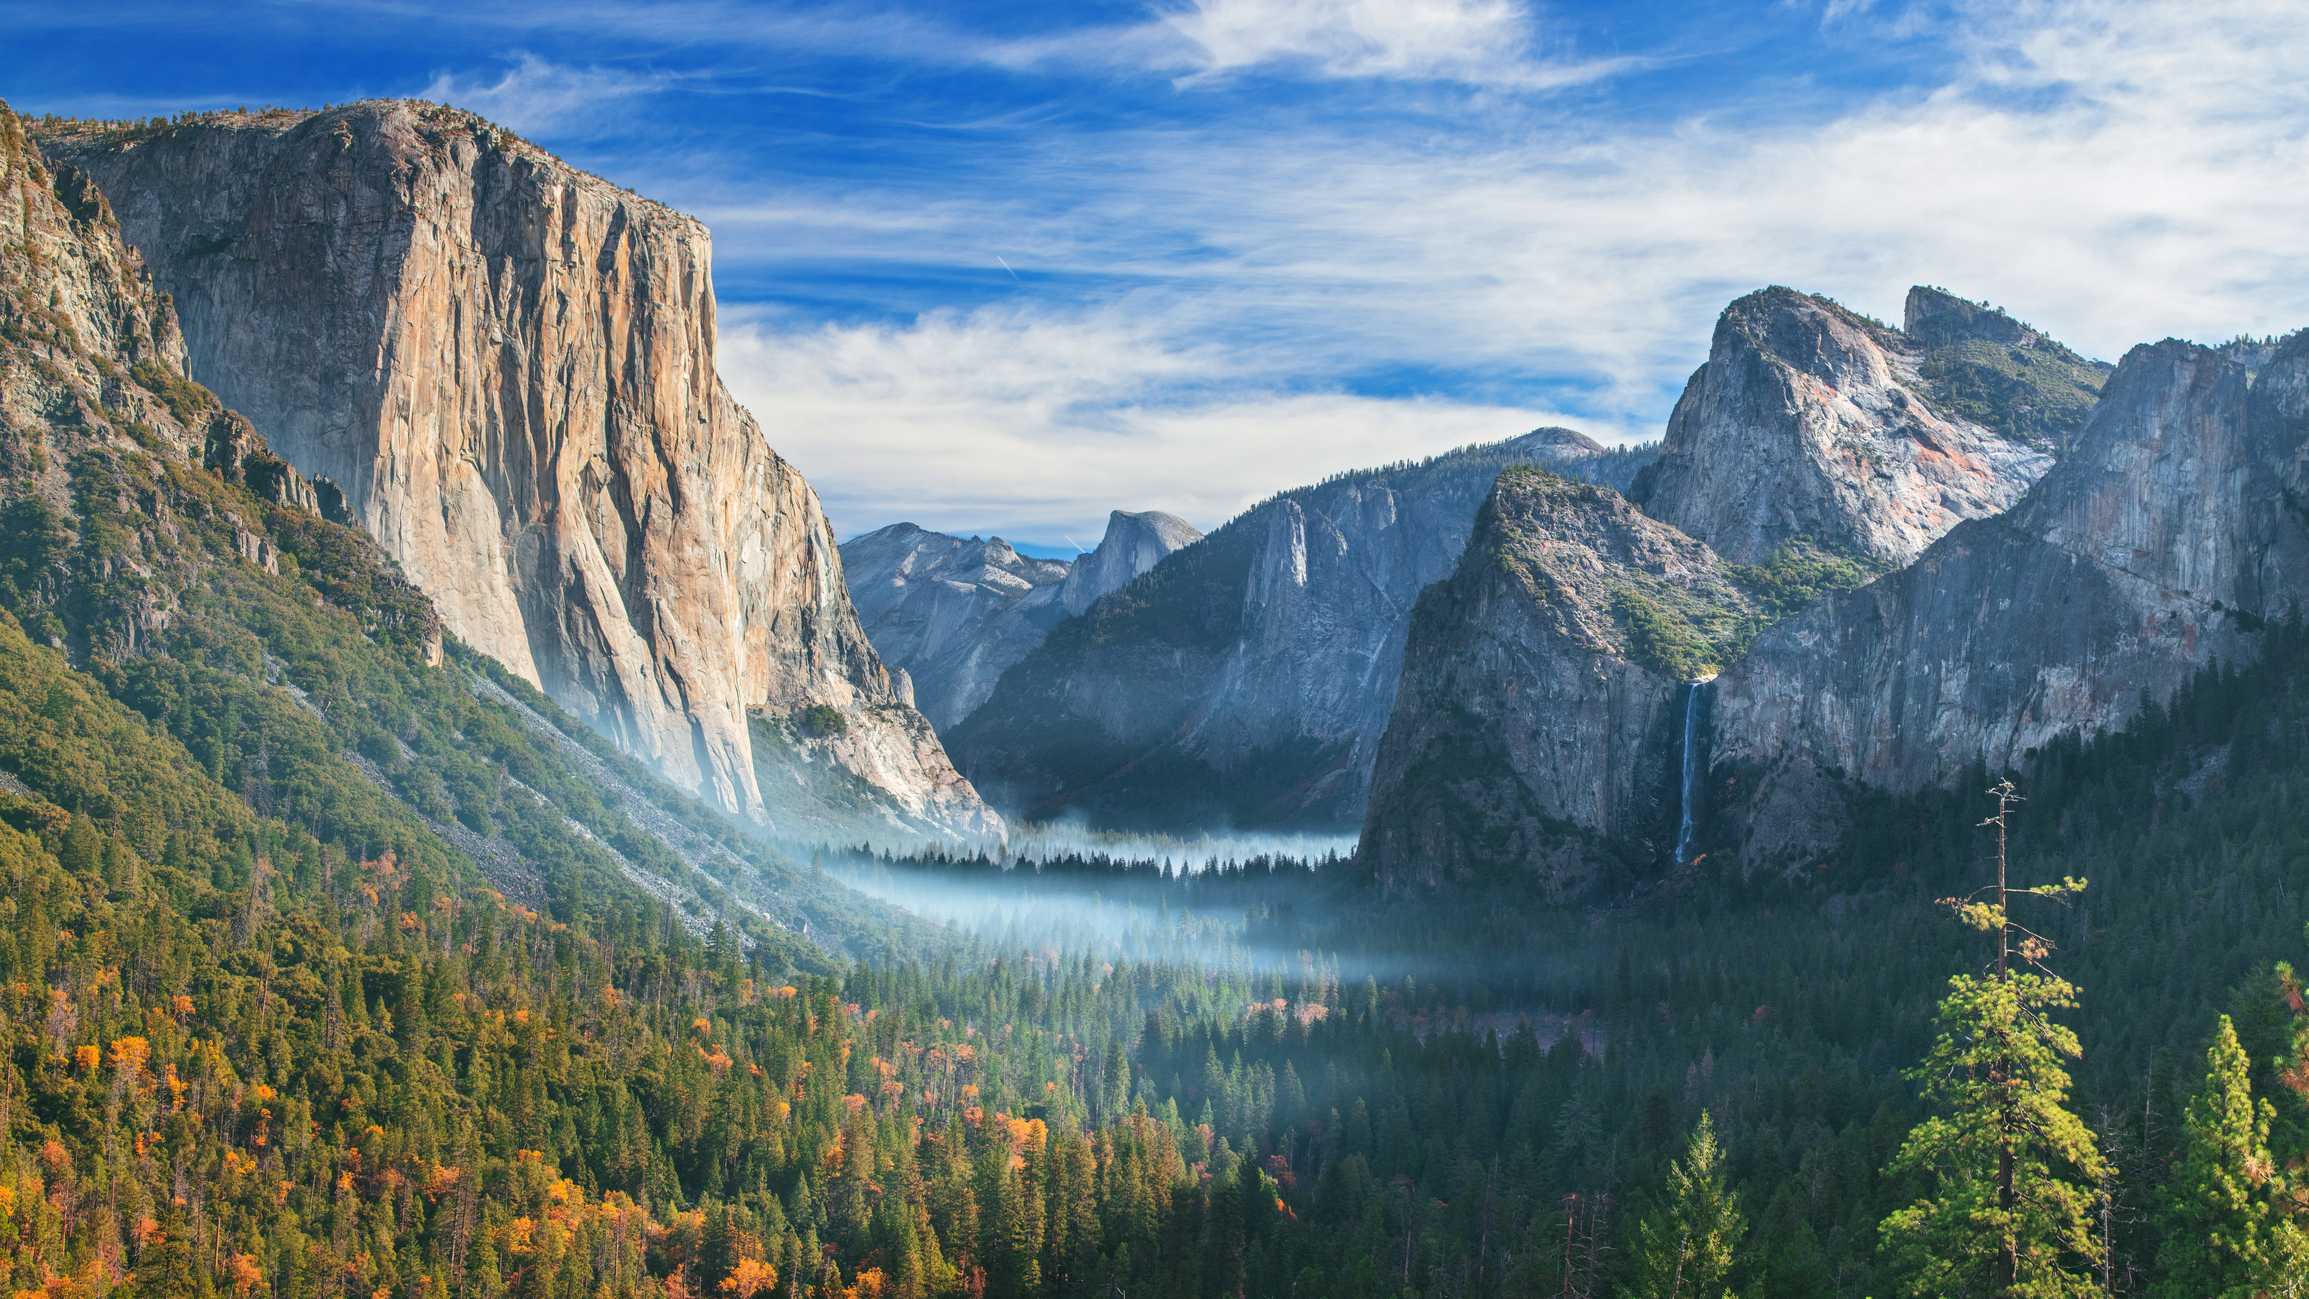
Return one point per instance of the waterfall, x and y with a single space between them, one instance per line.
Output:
1694 769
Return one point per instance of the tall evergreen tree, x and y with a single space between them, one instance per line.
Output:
2226 1233
1686 1248
2011 1169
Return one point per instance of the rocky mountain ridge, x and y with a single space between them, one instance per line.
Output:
1811 423
506 367
1543 687
954 613
1247 679
1530 739
2169 535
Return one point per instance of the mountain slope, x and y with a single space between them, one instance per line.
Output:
158 555
1810 423
2170 533
505 367
953 614
1247 678
1534 734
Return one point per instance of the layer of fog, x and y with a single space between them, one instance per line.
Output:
1116 917
1049 841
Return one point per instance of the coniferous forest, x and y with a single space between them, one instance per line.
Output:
366 935
269 1030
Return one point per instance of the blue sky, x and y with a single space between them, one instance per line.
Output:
1005 266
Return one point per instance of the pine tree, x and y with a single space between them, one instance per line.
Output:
2225 1233
2012 1170
1686 1247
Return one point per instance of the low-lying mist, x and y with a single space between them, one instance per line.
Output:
1190 851
1212 903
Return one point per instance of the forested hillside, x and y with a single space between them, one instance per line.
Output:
1477 1095
334 962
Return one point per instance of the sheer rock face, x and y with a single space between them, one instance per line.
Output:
1246 679
74 293
1809 422
954 614
507 368
2168 534
1536 732
1133 544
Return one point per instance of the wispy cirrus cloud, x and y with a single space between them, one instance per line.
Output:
1016 419
537 96
1479 42
1492 44
2115 173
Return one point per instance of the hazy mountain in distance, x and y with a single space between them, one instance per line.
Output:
954 612
1246 679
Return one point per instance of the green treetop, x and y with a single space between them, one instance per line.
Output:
2011 1170
2226 1235
1686 1248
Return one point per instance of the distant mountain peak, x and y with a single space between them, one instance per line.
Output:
1557 438
955 612
1134 542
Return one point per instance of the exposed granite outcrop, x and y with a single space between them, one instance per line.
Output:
1536 731
1247 679
506 366
1134 543
1812 423
1547 714
2170 532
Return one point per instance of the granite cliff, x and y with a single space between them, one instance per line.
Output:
1812 423
1247 679
1132 544
1551 726
1539 718
955 613
2171 532
1538 741
505 369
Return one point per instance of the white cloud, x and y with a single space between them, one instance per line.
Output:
1036 424
1492 44
2113 172
536 96
1479 41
